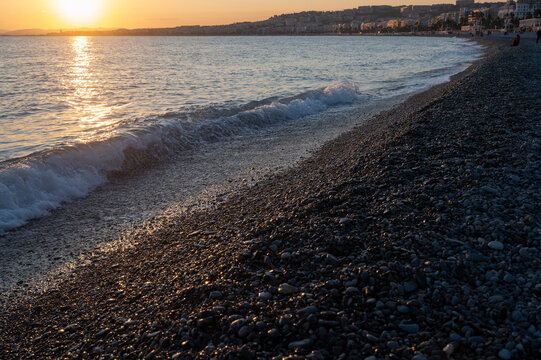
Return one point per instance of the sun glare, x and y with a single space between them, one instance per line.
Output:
79 11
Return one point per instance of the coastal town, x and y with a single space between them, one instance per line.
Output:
465 16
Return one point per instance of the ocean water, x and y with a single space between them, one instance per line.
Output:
79 112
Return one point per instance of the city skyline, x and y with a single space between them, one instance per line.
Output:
62 14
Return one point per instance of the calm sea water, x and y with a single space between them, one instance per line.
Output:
74 110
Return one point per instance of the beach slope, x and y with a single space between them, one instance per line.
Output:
416 235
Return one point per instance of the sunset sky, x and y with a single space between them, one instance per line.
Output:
58 14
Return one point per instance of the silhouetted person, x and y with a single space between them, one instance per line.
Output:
538 36
516 40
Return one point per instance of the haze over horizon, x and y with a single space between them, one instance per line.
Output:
67 14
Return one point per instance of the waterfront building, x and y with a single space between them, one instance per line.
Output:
506 10
533 24
526 7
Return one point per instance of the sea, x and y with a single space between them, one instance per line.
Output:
99 134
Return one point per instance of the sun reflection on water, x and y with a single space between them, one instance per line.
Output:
86 100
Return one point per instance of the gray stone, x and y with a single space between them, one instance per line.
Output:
308 310
504 354
495 245
410 286
410 328
517 316
300 344
403 309
287 289
244 331
264 296
351 291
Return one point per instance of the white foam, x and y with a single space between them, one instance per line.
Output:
31 188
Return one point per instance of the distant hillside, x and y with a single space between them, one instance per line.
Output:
28 32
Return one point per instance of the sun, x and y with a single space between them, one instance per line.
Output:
79 11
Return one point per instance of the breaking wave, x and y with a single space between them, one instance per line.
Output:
33 186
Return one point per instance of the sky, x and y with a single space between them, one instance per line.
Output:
65 14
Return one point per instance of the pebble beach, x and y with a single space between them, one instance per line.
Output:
416 235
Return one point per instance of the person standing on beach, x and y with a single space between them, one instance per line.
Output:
516 40
538 36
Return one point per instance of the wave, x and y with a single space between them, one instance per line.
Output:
33 186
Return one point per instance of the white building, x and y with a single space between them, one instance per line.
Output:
525 7
531 24
506 10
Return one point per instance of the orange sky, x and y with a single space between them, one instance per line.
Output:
57 14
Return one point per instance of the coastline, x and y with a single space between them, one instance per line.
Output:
381 237
46 250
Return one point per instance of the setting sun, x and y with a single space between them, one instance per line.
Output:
80 11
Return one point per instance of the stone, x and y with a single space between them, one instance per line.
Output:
495 245
300 344
371 338
237 324
409 328
307 310
263 296
410 286
504 354
287 289
215 295
244 331
403 309
71 327
450 348
351 291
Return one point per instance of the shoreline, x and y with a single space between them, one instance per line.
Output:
31 263
61 240
399 237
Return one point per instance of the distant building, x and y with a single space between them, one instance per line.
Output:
472 28
506 10
526 7
531 24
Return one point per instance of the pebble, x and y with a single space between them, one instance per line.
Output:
300 344
307 310
263 296
287 289
403 309
410 286
351 291
450 348
410 328
71 327
495 245
504 354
